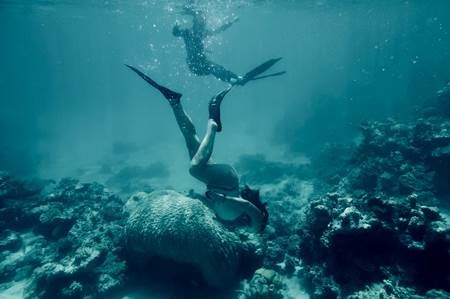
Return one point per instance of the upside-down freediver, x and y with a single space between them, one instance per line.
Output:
197 60
224 195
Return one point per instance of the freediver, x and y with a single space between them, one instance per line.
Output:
223 193
198 62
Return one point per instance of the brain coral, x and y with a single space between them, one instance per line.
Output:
170 225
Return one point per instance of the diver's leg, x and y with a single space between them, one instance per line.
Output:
214 107
222 73
205 149
184 122
172 96
187 128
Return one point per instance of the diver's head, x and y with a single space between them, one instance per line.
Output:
176 31
252 195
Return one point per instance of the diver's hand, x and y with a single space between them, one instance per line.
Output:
214 195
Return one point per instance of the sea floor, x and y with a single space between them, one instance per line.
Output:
372 222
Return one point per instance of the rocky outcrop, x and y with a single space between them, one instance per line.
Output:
375 225
381 224
265 284
64 239
360 241
67 240
170 225
370 223
401 158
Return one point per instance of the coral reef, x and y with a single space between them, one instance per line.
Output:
265 284
369 220
398 158
67 240
64 239
379 224
366 220
170 225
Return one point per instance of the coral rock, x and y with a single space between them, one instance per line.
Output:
170 225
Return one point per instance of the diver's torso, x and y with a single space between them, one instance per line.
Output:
197 61
222 178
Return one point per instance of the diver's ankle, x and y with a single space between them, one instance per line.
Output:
212 123
237 81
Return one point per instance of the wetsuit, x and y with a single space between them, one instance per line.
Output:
197 61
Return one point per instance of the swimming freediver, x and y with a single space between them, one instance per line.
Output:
223 194
198 62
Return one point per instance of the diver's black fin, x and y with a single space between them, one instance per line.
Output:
172 96
259 70
269 75
214 107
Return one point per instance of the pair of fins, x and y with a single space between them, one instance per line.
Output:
254 74
214 105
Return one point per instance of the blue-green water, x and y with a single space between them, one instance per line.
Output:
70 107
67 98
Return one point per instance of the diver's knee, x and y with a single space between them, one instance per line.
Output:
194 168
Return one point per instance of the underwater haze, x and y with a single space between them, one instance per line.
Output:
68 99
350 149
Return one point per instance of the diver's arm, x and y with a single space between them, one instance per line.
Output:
198 20
240 206
188 10
178 32
223 27
251 210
